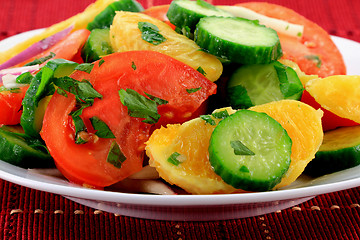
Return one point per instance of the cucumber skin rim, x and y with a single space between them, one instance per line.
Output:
233 51
240 182
183 17
16 151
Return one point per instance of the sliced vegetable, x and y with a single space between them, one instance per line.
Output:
36 48
97 45
65 49
163 78
35 100
125 35
281 26
252 85
186 14
17 149
11 108
250 151
192 170
105 18
315 41
238 40
339 151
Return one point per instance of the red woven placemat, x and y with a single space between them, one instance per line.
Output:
31 214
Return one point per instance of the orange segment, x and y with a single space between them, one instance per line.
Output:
194 174
338 94
303 124
126 36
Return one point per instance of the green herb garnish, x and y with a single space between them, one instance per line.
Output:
220 115
139 106
101 62
157 100
151 33
25 78
41 60
240 148
173 159
85 67
200 70
133 65
315 58
208 119
192 90
102 130
115 156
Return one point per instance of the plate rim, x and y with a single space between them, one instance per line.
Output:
206 200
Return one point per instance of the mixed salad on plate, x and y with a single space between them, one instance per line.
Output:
211 99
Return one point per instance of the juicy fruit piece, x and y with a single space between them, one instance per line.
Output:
338 94
304 50
329 120
303 124
339 151
250 151
126 36
191 139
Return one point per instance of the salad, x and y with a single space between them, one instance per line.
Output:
208 99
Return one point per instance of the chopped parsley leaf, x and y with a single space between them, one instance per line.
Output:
240 148
151 33
115 156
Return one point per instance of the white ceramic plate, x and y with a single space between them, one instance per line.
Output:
193 207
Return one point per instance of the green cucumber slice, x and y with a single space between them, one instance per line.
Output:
19 150
340 150
105 18
264 137
238 40
186 14
97 45
40 87
257 84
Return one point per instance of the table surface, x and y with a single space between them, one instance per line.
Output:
29 214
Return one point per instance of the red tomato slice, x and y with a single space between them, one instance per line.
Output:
329 120
10 110
68 48
315 41
159 12
143 71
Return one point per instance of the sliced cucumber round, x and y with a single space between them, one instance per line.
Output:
105 18
340 150
257 84
23 151
97 45
186 14
250 151
238 40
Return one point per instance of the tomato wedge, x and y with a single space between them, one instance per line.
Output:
315 42
10 110
68 48
149 72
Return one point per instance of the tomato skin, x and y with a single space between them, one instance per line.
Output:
329 120
159 12
143 71
68 48
10 110
315 41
